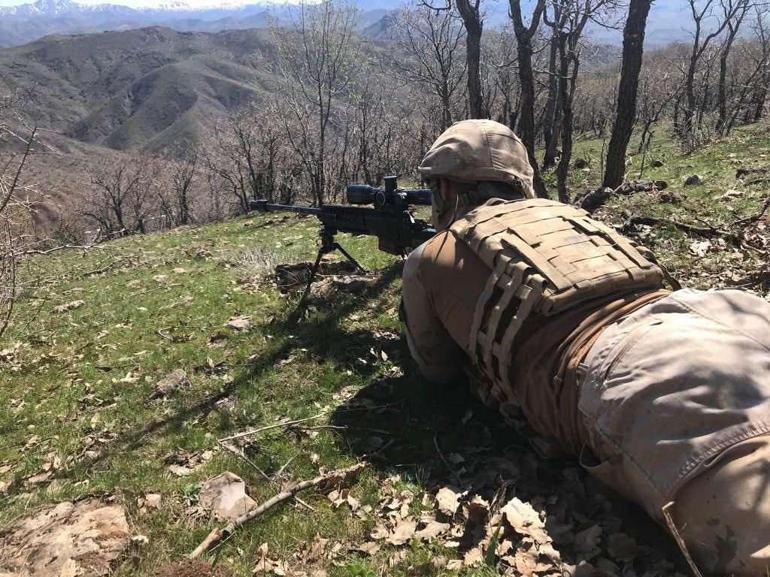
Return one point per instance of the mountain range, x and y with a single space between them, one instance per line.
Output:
28 22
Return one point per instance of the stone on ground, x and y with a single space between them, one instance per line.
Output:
225 496
69 540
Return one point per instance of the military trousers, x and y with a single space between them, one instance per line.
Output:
675 399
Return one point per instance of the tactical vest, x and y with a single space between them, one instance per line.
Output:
546 257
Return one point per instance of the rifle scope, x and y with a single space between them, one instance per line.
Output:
389 197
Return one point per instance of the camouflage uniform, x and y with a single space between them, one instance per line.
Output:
664 396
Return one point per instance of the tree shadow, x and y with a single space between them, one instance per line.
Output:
321 334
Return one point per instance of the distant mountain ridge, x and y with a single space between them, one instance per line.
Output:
25 23
29 22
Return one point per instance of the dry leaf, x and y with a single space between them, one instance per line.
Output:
587 541
525 520
180 470
621 547
432 530
368 548
403 532
68 306
448 501
473 557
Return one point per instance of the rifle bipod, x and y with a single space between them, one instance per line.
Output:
327 245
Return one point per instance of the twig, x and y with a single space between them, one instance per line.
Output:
709 232
269 427
446 463
240 455
346 428
280 471
259 470
57 248
164 335
754 218
218 534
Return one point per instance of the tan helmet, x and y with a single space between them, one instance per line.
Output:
478 151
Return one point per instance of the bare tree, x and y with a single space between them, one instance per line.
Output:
552 112
568 20
433 38
633 51
525 35
733 12
14 209
317 63
761 78
500 76
177 197
702 11
248 154
470 12
656 91
122 200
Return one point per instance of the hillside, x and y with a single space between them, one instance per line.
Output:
97 331
148 88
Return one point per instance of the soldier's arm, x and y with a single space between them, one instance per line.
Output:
436 354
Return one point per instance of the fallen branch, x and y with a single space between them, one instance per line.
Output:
218 535
596 198
741 172
709 232
57 248
273 426
754 218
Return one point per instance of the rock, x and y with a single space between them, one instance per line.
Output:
693 180
171 383
239 324
82 539
656 163
152 501
581 163
225 496
669 196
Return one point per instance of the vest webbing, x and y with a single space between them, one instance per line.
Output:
546 257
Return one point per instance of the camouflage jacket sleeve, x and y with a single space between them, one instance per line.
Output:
437 355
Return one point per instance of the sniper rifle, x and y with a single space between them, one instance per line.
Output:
390 220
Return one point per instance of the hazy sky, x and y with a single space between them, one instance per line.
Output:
138 3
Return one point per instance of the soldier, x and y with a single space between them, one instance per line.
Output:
664 396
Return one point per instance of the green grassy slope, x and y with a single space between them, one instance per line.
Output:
79 419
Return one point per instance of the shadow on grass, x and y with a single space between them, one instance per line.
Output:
442 436
319 335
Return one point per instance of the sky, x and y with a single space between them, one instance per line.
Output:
141 3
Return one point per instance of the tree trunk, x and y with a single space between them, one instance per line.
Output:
473 29
526 119
761 98
551 119
566 93
633 52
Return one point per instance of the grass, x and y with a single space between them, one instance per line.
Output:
77 384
